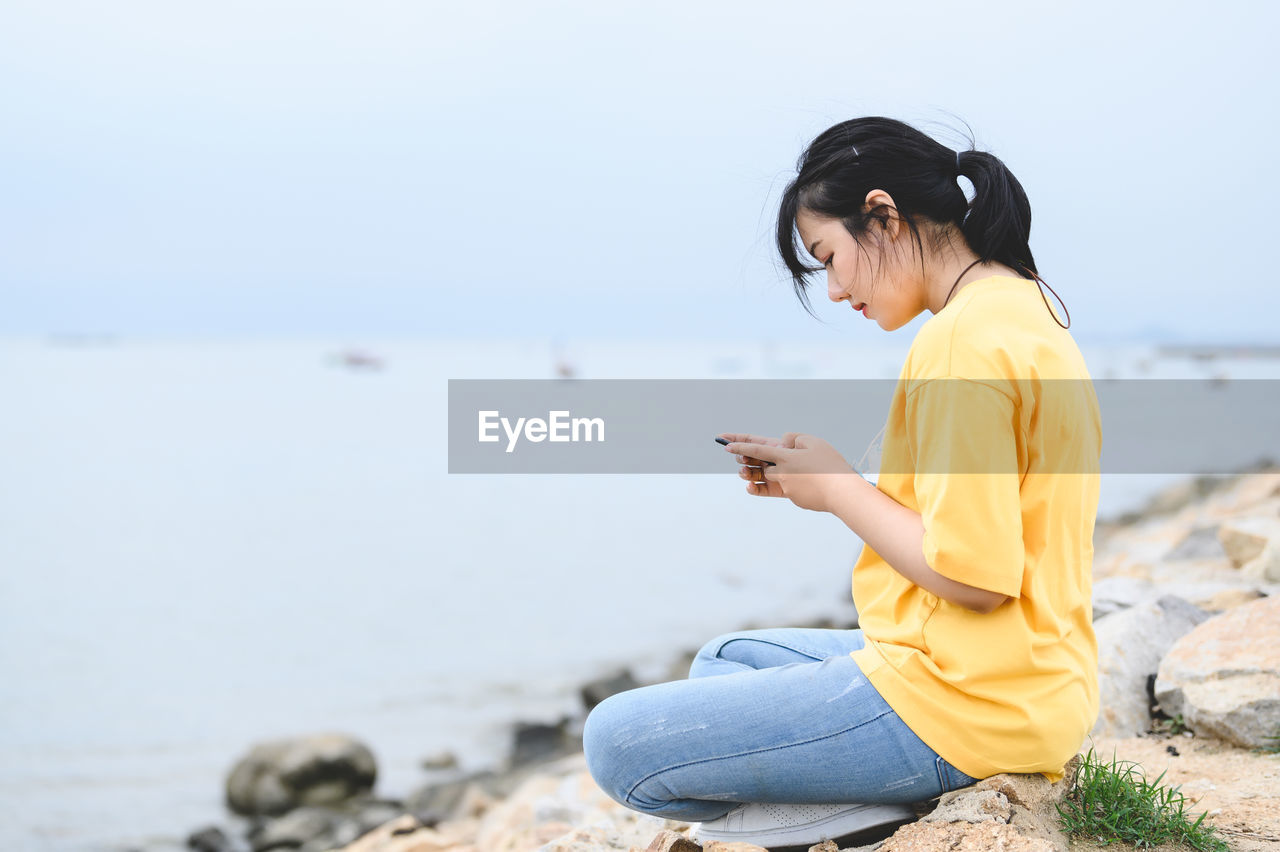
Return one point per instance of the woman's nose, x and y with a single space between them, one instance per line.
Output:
834 291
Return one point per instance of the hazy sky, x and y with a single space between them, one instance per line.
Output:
590 169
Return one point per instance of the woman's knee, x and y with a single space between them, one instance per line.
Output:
708 660
610 727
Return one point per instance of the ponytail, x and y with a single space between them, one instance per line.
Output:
997 225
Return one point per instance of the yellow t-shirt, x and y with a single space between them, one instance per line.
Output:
994 437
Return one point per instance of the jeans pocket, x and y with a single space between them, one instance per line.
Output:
950 778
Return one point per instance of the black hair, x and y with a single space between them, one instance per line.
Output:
848 160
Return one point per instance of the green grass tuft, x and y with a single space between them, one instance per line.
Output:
1114 802
1174 727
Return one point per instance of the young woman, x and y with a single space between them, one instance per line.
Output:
975 652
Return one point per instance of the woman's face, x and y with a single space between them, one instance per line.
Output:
867 276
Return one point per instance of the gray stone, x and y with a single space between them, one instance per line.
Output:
294 829
535 742
1112 594
435 803
212 839
1200 543
343 831
598 690
1223 678
1130 646
374 813
440 761
280 775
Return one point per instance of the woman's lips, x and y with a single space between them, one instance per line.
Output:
861 306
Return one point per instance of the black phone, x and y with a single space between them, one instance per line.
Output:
726 442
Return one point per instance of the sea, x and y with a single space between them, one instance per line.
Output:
206 544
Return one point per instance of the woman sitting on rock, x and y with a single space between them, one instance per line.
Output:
975 653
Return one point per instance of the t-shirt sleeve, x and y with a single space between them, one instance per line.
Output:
962 435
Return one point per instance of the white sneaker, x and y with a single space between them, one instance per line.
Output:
798 825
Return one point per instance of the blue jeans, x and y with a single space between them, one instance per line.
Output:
780 715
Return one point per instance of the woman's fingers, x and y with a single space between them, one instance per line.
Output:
758 483
744 438
765 489
760 453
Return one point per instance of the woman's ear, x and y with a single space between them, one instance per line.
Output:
879 204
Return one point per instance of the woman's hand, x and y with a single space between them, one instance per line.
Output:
805 468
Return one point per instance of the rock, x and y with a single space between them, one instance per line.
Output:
1253 494
294 829
1112 594
1130 646
211 839
406 834
373 813
975 806
440 761
1016 813
1200 543
548 805
344 831
736 846
964 837
598 690
536 742
1229 599
1203 593
602 836
1266 566
1184 493
1223 678
436 803
1243 539
280 775
670 841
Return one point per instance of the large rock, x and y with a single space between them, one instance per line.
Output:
1131 644
1223 678
1014 813
277 776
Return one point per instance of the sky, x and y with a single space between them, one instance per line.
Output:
585 170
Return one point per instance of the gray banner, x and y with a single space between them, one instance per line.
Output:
668 426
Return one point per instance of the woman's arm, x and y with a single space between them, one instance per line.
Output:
813 475
897 534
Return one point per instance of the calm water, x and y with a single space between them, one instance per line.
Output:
206 544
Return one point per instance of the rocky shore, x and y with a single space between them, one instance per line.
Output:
1187 609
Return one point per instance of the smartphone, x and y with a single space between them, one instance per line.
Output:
726 442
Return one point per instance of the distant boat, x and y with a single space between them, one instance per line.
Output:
359 359
561 365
